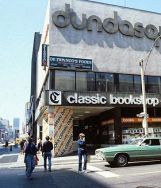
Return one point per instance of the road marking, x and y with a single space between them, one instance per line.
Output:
1 156
143 173
106 174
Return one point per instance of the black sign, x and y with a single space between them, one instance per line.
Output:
44 54
70 63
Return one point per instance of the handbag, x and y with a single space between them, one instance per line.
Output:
36 159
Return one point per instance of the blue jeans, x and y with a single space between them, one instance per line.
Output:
82 154
47 155
30 163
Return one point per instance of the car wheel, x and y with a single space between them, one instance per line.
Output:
121 160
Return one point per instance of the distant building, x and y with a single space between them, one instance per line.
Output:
4 129
16 127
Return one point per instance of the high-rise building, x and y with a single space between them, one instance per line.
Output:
16 127
4 129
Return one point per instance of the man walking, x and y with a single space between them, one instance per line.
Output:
30 152
82 152
46 149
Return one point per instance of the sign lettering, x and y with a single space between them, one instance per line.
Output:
133 100
63 19
68 62
44 54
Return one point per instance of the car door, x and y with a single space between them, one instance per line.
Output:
150 149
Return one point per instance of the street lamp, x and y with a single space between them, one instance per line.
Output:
144 114
141 63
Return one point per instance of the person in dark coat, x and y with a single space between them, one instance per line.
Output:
30 153
82 153
46 149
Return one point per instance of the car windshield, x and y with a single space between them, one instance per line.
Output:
137 141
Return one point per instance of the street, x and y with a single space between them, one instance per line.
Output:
64 174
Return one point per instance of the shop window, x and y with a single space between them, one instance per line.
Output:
125 83
109 82
146 83
81 81
101 81
65 80
137 83
90 81
153 84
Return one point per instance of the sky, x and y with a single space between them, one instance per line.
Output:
19 20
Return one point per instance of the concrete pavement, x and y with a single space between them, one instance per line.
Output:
6 159
63 175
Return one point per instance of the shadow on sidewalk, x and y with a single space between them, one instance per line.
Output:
59 178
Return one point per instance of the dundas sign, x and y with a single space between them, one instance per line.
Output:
63 19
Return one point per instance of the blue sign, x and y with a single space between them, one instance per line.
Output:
70 63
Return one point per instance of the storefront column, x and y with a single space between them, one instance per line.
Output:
61 126
118 126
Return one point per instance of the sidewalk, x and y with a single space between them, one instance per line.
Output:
58 160
15 159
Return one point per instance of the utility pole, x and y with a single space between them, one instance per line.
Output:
145 115
141 63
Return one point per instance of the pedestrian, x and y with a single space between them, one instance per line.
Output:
30 153
6 145
82 153
46 149
24 148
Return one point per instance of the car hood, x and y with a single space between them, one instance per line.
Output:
122 147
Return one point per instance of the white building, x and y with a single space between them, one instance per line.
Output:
88 73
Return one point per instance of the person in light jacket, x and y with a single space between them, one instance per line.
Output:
82 153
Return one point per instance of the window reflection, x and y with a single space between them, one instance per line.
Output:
109 82
65 80
101 81
153 84
137 83
90 81
125 83
81 81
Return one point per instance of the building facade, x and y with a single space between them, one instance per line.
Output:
88 74
31 126
16 127
5 130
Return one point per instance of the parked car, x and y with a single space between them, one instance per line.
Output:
141 149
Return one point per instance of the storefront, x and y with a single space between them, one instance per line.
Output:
88 74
